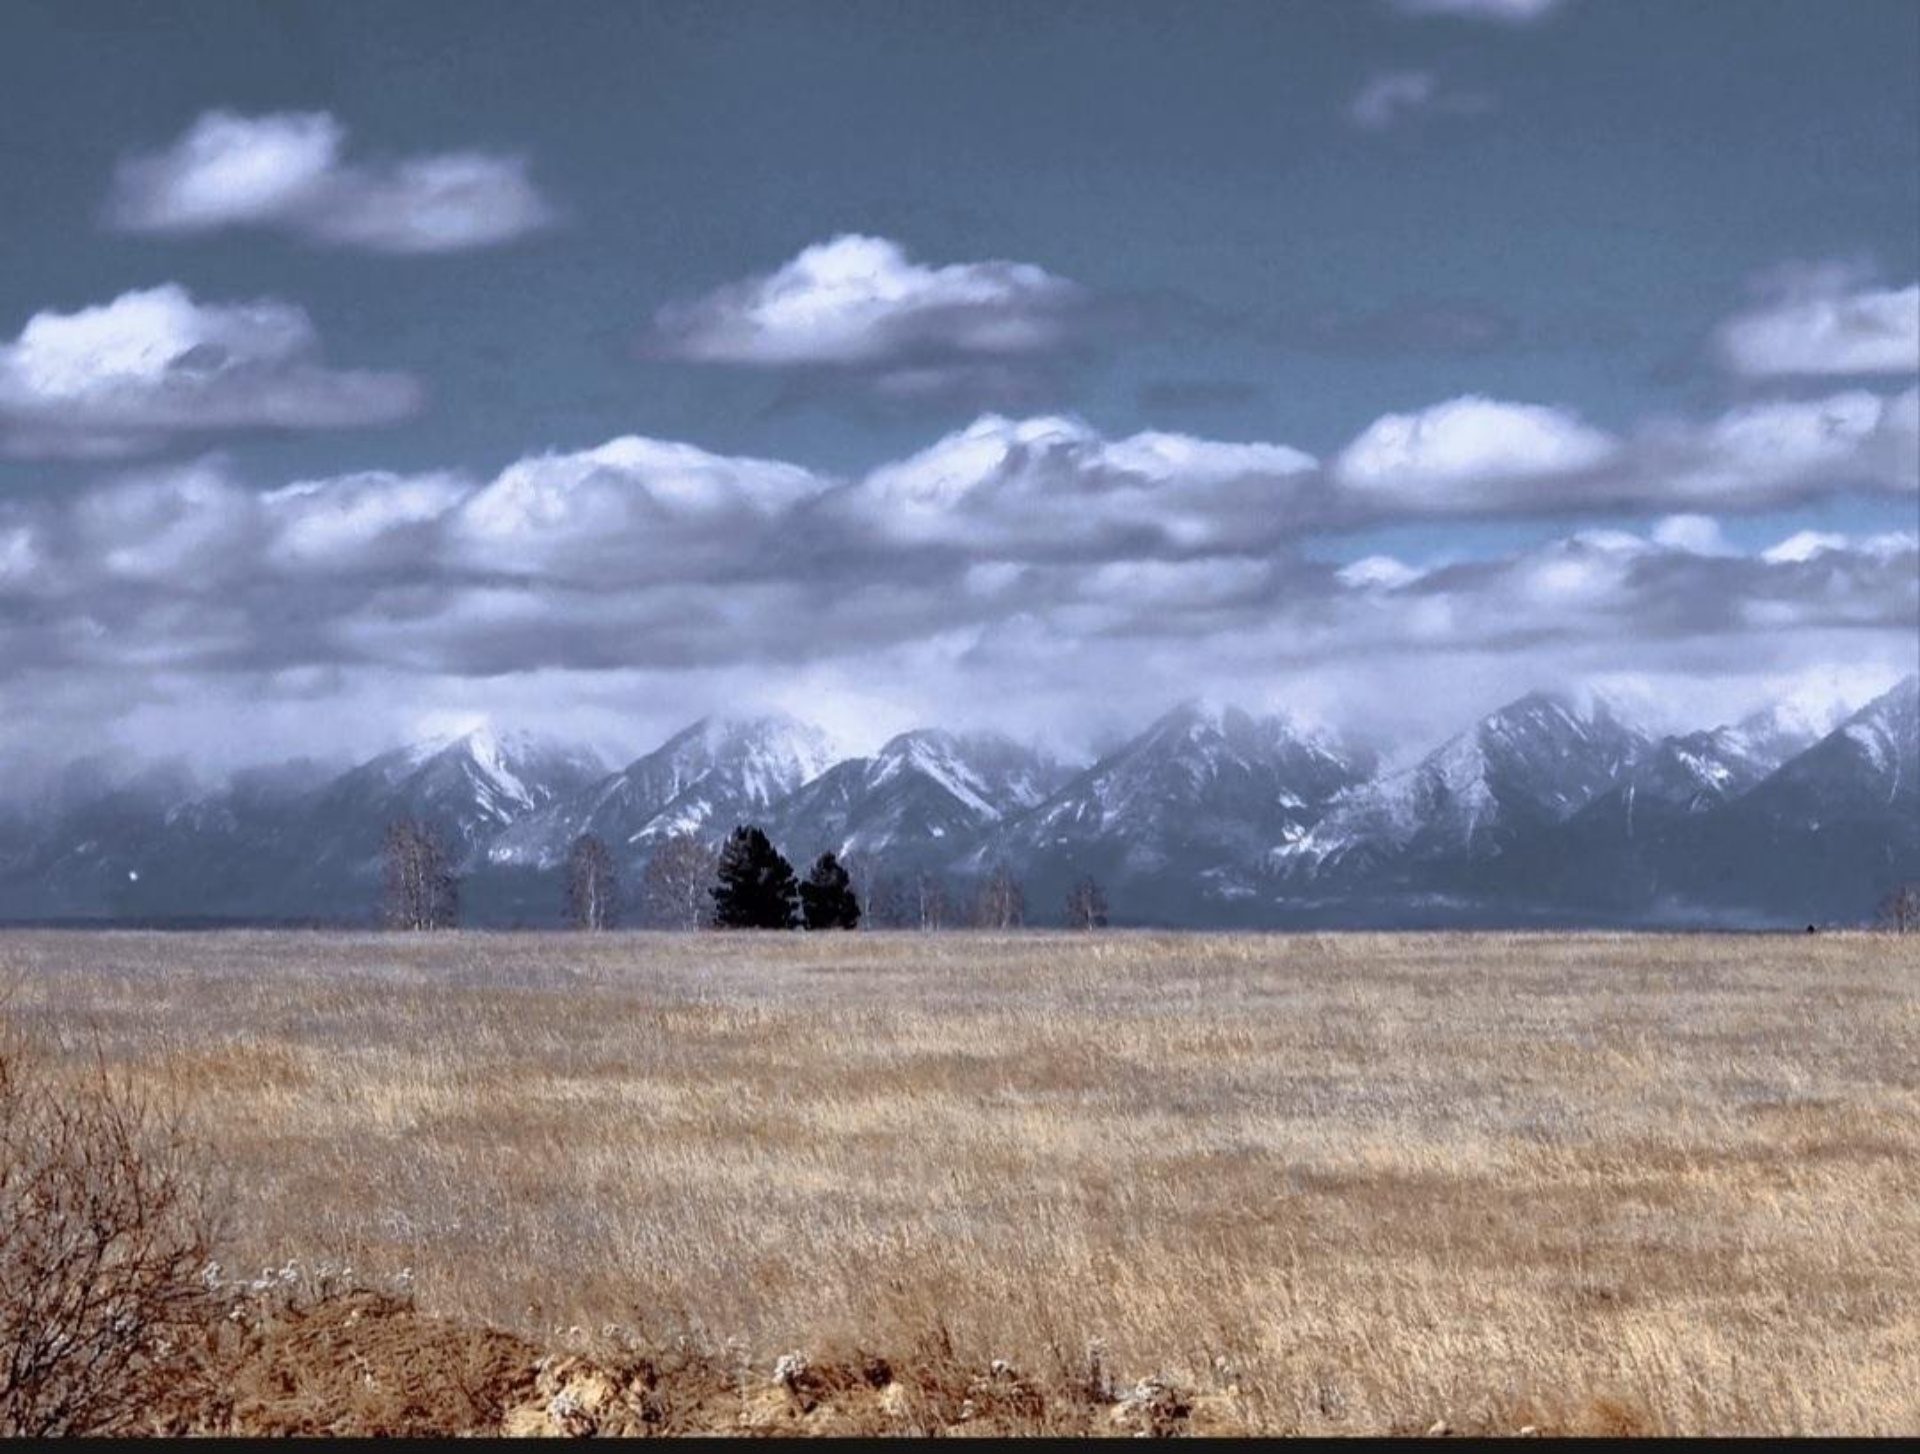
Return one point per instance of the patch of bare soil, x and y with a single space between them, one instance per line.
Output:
367 1363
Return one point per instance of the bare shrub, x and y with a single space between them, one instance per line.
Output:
105 1231
1900 909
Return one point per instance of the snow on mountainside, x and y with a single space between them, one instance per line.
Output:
1209 816
922 797
1867 766
701 780
1196 797
1700 771
1824 836
1536 761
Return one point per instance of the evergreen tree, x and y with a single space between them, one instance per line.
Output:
756 888
827 899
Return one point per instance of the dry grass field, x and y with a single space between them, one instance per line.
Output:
1345 1183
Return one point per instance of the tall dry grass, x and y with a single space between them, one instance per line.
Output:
1336 1183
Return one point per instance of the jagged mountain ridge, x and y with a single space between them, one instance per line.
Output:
1202 793
922 795
1534 762
1547 810
708 776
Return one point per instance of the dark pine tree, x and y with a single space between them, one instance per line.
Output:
756 888
827 899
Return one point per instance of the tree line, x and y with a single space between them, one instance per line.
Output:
743 883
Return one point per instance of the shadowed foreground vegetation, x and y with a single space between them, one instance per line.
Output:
1027 1183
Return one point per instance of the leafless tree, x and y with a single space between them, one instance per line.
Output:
422 885
1900 910
889 906
106 1229
932 906
1001 902
674 886
593 892
1086 906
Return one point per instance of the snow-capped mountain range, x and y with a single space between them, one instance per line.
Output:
1550 810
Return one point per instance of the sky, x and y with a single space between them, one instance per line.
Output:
373 371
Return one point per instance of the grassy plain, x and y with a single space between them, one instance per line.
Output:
1319 1184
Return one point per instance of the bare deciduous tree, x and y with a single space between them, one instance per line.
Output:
1900 910
1086 906
105 1233
889 906
593 892
422 885
674 885
1001 902
931 906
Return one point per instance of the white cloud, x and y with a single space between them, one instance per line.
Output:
1506 12
1053 487
860 303
1381 572
633 508
1027 568
180 528
120 378
285 171
1696 534
358 521
1472 454
1390 98
1803 545
1784 449
1824 321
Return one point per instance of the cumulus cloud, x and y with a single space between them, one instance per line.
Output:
861 307
1054 486
1783 450
630 509
1472 454
1026 566
1698 534
286 172
1478 456
1824 320
1391 98
122 378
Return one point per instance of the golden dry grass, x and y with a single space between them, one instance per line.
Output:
1342 1183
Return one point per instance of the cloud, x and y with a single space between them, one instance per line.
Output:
1504 12
1471 454
1054 487
1784 450
1823 321
860 306
124 377
1389 98
1476 456
285 172
631 509
1697 534
1031 568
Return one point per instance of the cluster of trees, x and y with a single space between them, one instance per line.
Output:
745 883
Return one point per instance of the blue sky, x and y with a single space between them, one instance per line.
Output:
492 233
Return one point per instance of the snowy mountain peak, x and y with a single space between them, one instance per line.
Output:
1538 759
